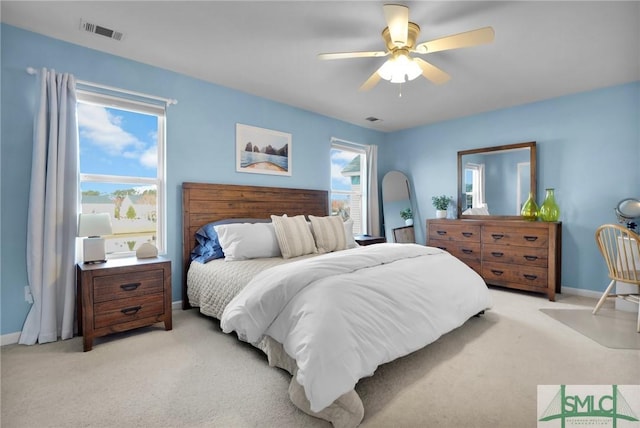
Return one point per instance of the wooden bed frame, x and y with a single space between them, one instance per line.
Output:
204 203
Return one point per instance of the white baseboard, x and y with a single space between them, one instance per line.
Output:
11 338
581 292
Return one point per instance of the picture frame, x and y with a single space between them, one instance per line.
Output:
262 151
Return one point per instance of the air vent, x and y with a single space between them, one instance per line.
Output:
372 119
100 30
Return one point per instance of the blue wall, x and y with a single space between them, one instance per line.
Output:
588 149
200 141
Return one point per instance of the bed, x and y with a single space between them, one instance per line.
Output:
331 316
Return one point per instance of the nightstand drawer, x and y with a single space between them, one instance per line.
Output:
121 311
125 286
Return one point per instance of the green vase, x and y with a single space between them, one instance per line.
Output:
549 210
529 210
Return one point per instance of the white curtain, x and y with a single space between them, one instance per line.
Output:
477 199
373 205
52 216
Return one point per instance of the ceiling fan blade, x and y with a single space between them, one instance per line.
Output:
477 37
432 72
397 17
371 81
345 55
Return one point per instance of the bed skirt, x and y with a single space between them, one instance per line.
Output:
345 412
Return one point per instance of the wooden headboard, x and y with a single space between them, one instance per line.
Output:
204 203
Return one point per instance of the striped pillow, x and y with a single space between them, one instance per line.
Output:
329 233
294 237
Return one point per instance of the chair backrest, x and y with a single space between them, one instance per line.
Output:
620 248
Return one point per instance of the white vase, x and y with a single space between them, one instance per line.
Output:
441 213
408 222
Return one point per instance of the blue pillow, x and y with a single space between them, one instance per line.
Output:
208 246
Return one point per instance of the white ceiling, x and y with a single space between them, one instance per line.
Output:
541 50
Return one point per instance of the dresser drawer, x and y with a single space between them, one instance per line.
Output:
529 256
503 274
454 232
467 251
528 237
121 286
126 310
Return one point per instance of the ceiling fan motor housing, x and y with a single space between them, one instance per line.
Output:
412 36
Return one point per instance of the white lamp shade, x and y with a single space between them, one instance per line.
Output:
400 69
94 224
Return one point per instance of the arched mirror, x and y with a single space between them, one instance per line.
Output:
496 181
397 209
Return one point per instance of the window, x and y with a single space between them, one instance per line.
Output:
349 183
122 168
474 186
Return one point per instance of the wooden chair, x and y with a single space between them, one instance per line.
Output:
620 248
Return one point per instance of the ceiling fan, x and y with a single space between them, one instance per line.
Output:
400 36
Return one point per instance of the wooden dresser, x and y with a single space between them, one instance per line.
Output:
122 294
508 253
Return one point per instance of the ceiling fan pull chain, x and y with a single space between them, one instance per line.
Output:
400 91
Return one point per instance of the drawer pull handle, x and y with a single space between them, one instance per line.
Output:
467 234
530 258
531 238
530 277
497 254
130 287
441 232
497 272
132 310
497 236
467 251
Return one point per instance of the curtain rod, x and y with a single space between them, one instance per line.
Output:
168 101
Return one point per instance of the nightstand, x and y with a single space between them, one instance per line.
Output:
122 294
368 239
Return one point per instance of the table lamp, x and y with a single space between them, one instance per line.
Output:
93 227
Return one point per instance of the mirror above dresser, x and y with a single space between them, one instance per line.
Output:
494 182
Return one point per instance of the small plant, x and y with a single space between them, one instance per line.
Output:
406 214
441 202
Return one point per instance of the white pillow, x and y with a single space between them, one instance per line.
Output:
294 237
329 233
348 231
243 241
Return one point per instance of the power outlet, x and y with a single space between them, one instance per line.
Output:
27 294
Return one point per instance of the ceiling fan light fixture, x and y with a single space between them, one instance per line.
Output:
399 69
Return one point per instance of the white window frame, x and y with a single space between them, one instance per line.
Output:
88 97
361 150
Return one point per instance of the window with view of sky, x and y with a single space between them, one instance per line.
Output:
120 169
347 184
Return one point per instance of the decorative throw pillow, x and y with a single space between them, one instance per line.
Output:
244 241
348 231
329 233
294 237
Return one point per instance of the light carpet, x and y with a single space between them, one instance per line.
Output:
611 328
483 374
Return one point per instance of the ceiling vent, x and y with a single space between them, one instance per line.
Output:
101 31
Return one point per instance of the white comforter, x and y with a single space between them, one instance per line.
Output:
340 315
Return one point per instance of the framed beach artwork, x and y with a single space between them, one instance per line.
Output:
262 151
